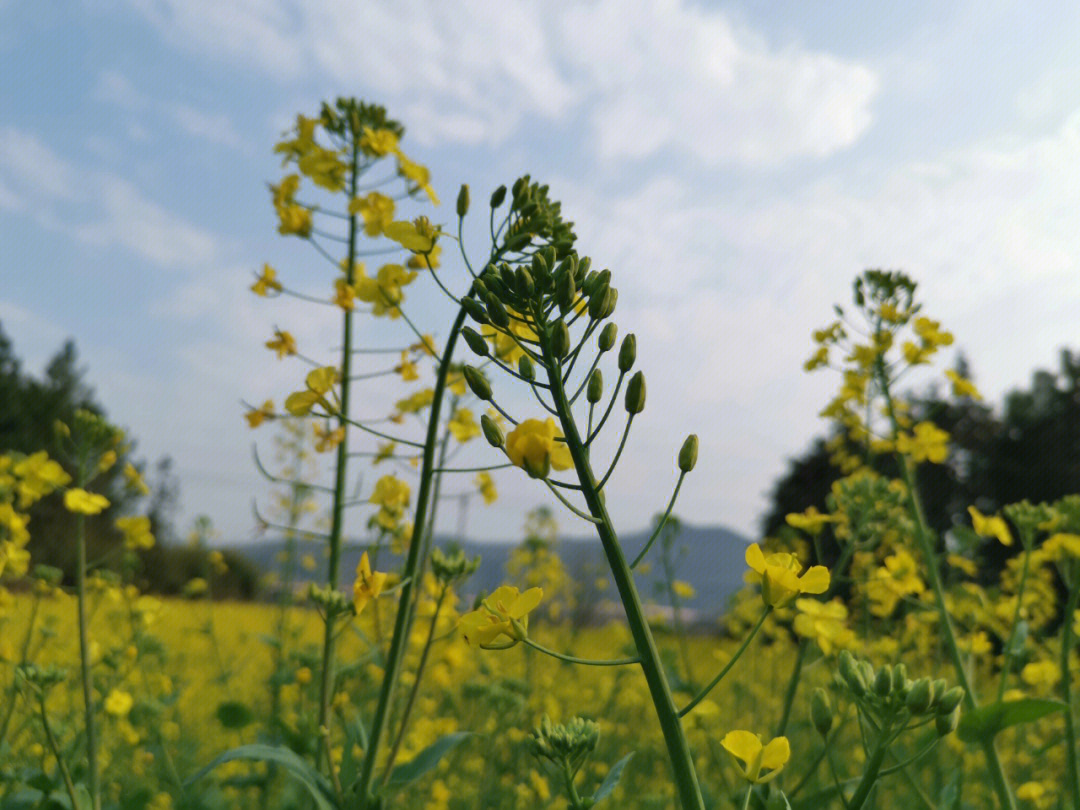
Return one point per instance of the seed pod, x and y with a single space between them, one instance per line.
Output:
475 309
525 367
607 337
524 283
595 389
688 453
635 394
498 196
477 383
463 200
947 723
560 339
492 432
883 682
947 702
627 353
497 312
920 697
475 341
821 713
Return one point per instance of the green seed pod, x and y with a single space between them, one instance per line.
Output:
526 368
883 682
595 389
560 339
475 309
475 341
635 394
947 723
947 702
821 713
463 200
498 196
524 283
920 697
607 337
492 432
477 383
688 453
497 312
627 353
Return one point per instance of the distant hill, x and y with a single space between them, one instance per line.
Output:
711 558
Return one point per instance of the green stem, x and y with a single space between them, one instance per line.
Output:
870 773
682 762
738 653
746 801
922 535
571 789
573 659
398 641
9 710
660 524
1066 695
1009 651
326 680
84 655
69 785
415 686
792 687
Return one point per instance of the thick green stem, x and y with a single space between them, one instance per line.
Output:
326 680
682 762
1066 695
870 773
65 774
922 535
398 641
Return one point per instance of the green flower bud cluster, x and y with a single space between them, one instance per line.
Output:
348 117
873 507
570 743
887 693
331 600
39 679
452 566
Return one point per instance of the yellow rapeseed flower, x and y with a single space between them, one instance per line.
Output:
266 281
929 443
747 747
779 574
990 526
118 703
503 613
535 447
368 584
83 502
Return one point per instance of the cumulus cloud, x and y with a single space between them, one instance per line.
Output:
648 76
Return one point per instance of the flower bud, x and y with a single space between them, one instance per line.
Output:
607 306
947 702
821 713
920 697
498 196
607 337
463 200
939 686
496 311
565 290
540 266
477 383
475 309
524 283
518 241
479 288
583 265
492 432
597 300
560 339
901 684
475 341
506 273
589 282
526 368
635 394
947 723
688 453
627 353
595 389
883 682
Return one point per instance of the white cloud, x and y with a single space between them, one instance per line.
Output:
645 76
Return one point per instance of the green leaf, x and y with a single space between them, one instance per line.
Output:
984 723
612 779
950 794
316 784
425 760
234 714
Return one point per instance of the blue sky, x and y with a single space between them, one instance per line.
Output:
735 164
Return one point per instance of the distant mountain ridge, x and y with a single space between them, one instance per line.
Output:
710 558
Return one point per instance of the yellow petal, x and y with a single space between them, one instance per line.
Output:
754 558
742 744
816 580
524 603
776 753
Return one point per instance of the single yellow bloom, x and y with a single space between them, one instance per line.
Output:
410 237
390 492
83 502
368 584
134 480
683 590
463 426
266 281
283 343
811 521
962 387
780 580
487 487
825 622
420 175
535 447
136 531
503 613
255 417
378 142
118 703
992 526
376 209
747 747
929 443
